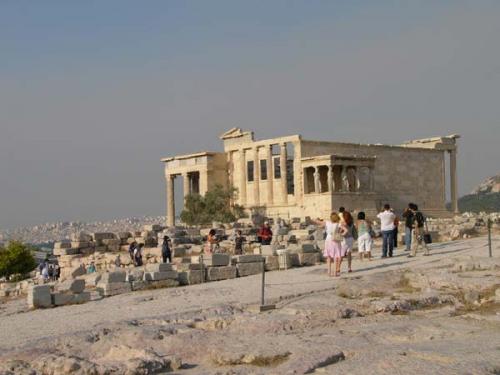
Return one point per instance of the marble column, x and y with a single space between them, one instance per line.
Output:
372 179
453 181
243 178
170 200
344 180
357 181
284 174
203 182
270 174
186 185
256 177
331 182
317 183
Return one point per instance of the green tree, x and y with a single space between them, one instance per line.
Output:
16 259
214 206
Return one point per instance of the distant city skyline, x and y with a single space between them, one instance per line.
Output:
93 94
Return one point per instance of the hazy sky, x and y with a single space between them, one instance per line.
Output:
94 93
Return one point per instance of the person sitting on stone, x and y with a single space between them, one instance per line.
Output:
166 249
138 255
91 268
265 234
238 243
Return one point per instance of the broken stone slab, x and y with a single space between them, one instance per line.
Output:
247 258
74 286
108 289
124 235
111 242
114 277
213 260
309 259
190 277
82 236
78 271
156 276
153 227
81 244
39 296
247 269
138 285
179 251
159 267
221 273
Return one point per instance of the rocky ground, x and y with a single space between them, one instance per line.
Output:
427 315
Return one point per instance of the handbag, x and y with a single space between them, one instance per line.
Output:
336 235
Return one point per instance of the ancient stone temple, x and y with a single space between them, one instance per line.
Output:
293 177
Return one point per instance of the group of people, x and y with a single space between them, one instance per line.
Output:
135 251
342 230
49 271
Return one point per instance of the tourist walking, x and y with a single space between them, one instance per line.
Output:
418 233
409 217
238 243
396 230
365 240
265 234
131 250
91 268
45 272
333 243
166 249
387 227
347 223
212 242
138 255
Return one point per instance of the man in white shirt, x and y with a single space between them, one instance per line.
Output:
387 218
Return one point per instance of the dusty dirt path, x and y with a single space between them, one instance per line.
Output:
19 329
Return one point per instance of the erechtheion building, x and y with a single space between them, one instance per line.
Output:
294 177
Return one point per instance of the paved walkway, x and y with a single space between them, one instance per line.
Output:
17 329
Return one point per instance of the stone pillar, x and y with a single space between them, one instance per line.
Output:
283 173
357 181
186 185
317 183
331 182
270 174
243 178
372 179
453 181
170 200
344 184
203 182
256 177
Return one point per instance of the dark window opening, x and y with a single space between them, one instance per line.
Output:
263 169
277 168
289 181
250 171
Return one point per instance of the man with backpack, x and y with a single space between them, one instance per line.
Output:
418 232
166 249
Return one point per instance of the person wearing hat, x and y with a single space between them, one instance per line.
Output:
166 249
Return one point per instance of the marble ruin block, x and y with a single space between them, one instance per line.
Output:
62 298
114 277
247 269
74 286
81 298
213 260
156 276
272 263
159 267
39 296
190 277
102 236
62 245
107 289
221 273
247 258
308 248
267 250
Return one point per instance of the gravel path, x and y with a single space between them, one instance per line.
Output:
16 330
